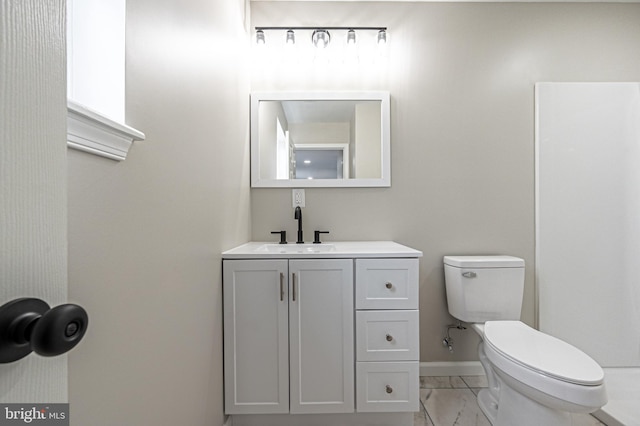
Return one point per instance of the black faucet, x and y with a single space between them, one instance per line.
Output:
316 236
283 236
298 216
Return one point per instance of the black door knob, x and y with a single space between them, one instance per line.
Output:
59 330
28 325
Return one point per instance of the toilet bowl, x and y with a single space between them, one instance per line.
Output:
534 378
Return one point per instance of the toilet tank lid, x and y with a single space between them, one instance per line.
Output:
497 261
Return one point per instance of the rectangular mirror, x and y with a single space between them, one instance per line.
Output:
320 139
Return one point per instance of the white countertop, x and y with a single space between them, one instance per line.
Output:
325 250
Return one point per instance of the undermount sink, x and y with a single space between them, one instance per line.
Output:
296 248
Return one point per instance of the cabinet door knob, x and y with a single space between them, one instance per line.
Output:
389 389
389 337
389 285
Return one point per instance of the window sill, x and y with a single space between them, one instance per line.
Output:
92 132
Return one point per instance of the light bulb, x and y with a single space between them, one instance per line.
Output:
321 38
291 37
351 37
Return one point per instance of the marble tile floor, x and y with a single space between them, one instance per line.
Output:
451 400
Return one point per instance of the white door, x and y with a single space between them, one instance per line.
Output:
321 336
33 230
256 364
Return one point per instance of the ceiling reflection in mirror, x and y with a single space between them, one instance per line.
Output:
304 140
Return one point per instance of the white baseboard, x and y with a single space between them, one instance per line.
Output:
446 368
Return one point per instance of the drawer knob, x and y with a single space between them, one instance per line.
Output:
389 337
389 285
389 389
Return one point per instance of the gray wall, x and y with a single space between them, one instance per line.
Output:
145 235
461 77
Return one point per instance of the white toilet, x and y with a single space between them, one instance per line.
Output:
534 378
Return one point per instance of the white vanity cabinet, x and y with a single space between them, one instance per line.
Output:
288 337
329 331
387 343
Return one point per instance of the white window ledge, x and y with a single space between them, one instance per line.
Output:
92 132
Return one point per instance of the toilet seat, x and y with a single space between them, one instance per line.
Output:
542 353
545 364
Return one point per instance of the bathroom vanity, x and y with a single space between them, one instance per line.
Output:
327 330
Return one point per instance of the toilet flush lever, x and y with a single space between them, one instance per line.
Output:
469 274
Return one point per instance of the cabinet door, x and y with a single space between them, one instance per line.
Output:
321 336
256 361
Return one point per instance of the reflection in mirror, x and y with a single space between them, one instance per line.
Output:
307 140
323 162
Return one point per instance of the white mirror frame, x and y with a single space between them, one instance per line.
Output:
383 181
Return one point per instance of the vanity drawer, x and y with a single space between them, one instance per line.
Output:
386 283
387 336
387 386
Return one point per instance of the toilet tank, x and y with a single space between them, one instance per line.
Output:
484 288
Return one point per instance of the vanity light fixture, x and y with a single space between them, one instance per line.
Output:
321 36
